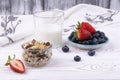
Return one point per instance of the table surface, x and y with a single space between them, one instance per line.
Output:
104 65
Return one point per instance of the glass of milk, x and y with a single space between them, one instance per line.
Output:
48 26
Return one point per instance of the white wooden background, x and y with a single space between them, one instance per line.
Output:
29 6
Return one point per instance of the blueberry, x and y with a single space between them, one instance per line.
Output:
90 41
101 40
98 32
65 48
96 35
85 42
93 36
102 34
74 39
105 38
91 52
95 41
80 42
77 58
71 35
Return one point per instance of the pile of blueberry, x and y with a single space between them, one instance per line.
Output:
97 38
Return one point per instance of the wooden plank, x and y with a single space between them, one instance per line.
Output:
38 5
5 7
29 6
17 7
60 4
93 2
104 3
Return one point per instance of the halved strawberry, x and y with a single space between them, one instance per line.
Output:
82 34
87 26
15 64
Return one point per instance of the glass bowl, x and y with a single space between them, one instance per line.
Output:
37 53
88 46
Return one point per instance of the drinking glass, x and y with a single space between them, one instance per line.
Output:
49 26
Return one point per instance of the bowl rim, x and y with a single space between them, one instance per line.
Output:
22 46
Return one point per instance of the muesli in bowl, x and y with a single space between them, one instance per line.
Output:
37 53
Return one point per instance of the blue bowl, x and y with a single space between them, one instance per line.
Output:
88 46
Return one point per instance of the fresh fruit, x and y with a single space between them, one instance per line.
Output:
91 52
95 41
89 27
65 48
77 58
82 34
86 26
86 34
15 64
97 38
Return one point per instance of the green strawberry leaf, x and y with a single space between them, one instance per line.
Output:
9 59
78 25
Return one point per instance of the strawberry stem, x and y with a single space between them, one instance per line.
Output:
78 25
9 59
76 34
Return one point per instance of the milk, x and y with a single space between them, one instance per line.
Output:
51 33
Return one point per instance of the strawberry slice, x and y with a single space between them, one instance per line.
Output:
83 34
15 64
87 26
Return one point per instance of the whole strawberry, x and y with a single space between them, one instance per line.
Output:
86 26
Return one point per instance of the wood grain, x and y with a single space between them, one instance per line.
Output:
29 6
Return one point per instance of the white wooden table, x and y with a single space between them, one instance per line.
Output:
104 65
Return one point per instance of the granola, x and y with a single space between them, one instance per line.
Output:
37 53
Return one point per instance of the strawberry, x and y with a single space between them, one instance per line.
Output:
15 64
87 26
82 34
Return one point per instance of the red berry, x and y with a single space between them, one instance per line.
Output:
83 34
88 27
15 64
